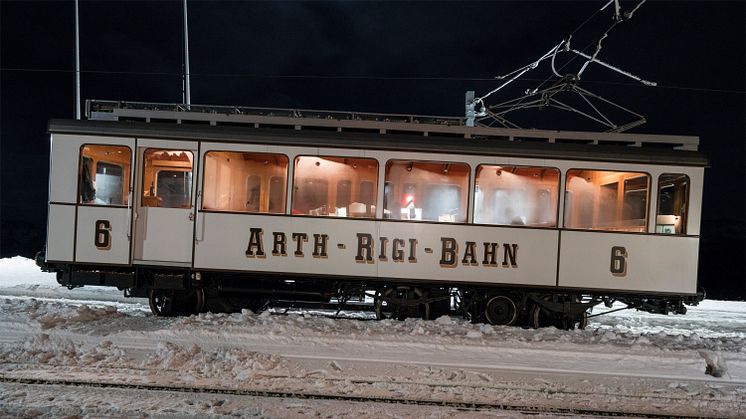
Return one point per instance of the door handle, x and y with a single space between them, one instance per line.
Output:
191 216
200 218
129 215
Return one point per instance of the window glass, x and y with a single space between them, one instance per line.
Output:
420 190
516 195
673 197
173 188
277 194
367 192
635 198
311 196
595 200
104 174
167 178
332 186
344 193
253 193
244 182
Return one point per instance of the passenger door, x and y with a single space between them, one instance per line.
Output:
104 199
165 202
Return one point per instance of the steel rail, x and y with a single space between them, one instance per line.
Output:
476 406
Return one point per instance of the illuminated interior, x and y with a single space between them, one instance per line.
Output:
673 196
414 190
429 191
167 178
335 186
245 182
516 195
604 200
104 174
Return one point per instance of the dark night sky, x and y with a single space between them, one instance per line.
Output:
394 57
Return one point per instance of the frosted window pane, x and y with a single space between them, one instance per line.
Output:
331 186
516 195
595 200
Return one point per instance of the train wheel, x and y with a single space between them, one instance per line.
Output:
162 302
402 302
501 310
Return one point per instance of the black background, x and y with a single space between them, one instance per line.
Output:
393 57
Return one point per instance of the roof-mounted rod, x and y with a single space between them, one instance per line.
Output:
77 62
187 90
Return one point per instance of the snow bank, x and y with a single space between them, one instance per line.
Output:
19 271
83 314
52 350
228 363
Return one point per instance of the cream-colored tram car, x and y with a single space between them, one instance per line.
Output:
223 208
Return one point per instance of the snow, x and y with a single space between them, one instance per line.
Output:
23 273
21 276
622 362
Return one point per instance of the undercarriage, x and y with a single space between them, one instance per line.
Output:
178 293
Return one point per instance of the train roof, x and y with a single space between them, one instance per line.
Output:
373 131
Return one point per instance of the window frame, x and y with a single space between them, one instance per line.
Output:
334 187
556 209
129 183
645 228
469 189
269 178
685 221
141 173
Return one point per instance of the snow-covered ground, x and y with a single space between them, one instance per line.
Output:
622 362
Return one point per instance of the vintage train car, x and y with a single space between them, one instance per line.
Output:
223 208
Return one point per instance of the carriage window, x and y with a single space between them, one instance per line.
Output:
104 174
419 190
244 182
604 200
673 196
167 178
516 195
332 186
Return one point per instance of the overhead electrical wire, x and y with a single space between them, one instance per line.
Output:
349 77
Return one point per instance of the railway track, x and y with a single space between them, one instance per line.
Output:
461 405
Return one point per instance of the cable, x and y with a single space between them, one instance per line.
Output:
358 77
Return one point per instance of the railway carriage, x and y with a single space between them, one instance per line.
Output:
217 208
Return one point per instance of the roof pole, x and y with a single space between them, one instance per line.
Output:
187 95
77 63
